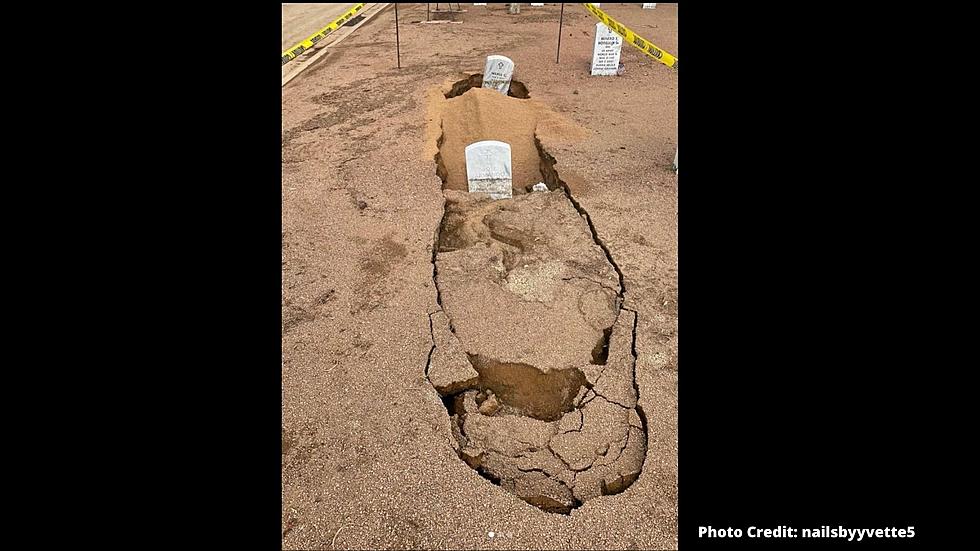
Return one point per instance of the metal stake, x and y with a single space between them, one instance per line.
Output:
561 18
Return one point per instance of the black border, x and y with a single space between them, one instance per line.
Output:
801 393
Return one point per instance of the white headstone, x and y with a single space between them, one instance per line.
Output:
675 161
605 51
484 4
488 169
497 73
533 4
650 6
540 186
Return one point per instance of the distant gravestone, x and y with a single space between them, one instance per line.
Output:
484 4
650 6
497 73
675 162
605 51
541 4
488 169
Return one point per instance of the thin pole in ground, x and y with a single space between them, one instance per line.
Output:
398 48
561 18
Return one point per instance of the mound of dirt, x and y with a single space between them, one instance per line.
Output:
484 114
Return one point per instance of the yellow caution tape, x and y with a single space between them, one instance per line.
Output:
643 45
291 53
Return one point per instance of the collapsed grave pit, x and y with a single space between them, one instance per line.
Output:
533 351
517 88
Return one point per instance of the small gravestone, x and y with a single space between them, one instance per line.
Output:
605 51
675 161
497 73
484 4
650 6
488 169
541 4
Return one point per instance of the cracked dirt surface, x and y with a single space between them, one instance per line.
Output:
532 308
368 457
535 354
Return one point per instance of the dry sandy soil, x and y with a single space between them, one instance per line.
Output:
454 366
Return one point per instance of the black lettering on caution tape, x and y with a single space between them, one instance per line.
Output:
623 31
292 54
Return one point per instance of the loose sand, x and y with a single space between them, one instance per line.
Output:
369 454
483 114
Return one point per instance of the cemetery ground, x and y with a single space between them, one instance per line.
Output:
373 196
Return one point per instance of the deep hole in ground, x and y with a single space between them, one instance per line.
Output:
517 88
555 435
531 392
600 354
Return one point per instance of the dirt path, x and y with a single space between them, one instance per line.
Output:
369 453
299 21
